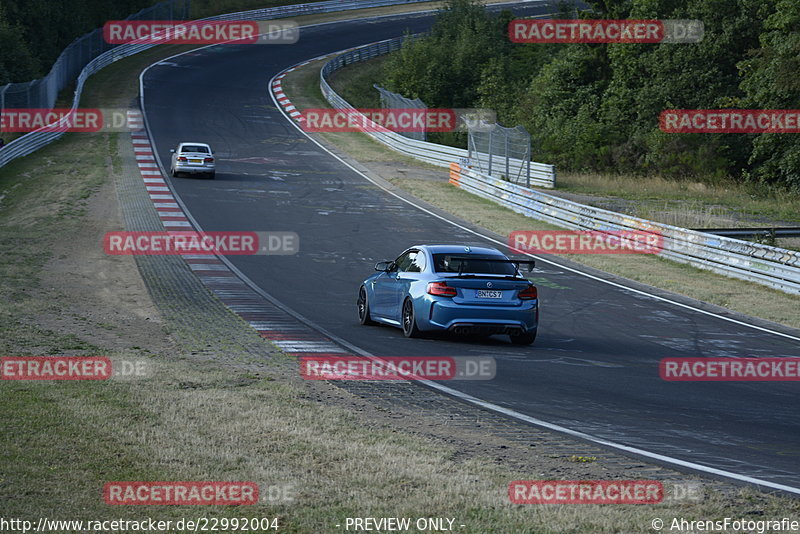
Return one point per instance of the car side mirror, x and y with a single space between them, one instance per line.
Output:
171 150
384 266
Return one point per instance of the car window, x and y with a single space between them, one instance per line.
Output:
404 262
417 263
453 263
195 148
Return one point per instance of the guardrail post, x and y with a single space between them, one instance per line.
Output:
508 171
490 151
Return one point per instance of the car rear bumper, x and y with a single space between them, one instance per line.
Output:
195 169
444 314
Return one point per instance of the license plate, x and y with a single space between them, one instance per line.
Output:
195 161
488 294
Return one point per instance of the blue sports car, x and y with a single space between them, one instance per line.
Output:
461 289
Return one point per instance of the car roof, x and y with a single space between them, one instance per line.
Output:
459 249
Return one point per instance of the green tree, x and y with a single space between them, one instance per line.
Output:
445 69
770 81
45 27
560 108
16 61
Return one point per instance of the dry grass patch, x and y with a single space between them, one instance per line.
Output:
689 203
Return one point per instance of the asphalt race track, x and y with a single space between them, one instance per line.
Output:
594 366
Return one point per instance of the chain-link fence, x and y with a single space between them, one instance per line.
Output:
390 100
503 152
42 93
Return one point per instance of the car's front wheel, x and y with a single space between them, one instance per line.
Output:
526 338
409 320
363 307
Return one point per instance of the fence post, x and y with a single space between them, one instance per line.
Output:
528 170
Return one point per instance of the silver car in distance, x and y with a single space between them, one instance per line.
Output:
192 158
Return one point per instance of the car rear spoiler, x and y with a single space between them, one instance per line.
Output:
516 263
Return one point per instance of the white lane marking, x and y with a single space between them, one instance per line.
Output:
306 346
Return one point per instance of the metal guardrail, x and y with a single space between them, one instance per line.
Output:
296 10
763 264
29 143
753 233
542 174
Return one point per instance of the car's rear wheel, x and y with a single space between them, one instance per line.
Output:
363 308
212 175
523 339
409 320
174 173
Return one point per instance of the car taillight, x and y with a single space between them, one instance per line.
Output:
182 158
441 289
529 293
209 160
